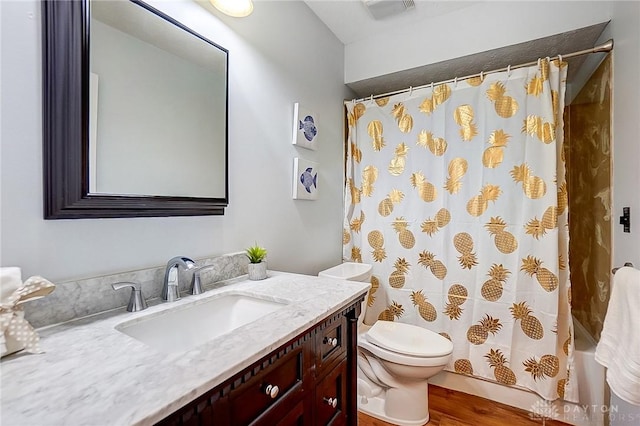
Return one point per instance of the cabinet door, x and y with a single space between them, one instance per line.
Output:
331 343
330 397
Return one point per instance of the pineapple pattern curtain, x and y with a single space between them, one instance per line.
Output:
456 195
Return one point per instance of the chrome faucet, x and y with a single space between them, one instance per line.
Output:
196 286
171 286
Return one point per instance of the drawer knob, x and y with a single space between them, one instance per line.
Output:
331 341
271 390
333 402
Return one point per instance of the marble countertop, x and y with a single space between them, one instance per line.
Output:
92 374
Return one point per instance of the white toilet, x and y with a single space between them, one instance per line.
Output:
395 361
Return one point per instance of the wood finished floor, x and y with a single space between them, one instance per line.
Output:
451 408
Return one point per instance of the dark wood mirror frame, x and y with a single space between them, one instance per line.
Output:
65 50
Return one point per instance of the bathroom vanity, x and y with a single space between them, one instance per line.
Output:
309 381
295 365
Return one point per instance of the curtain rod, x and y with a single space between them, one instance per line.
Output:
604 47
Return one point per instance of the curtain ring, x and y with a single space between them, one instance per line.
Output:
455 82
559 59
508 71
432 86
539 62
371 100
410 90
481 76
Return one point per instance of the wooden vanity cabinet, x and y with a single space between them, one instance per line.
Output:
315 375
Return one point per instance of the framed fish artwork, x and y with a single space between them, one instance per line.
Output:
305 179
305 127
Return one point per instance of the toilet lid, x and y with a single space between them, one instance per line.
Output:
408 339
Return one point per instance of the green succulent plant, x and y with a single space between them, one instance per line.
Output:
256 254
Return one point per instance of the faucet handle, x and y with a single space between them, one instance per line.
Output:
196 286
136 301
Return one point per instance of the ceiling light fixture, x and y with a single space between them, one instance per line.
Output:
235 8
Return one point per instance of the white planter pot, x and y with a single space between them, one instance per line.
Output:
257 271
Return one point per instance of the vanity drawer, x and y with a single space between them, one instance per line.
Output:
331 393
256 399
331 342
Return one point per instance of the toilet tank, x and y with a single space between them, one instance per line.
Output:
350 271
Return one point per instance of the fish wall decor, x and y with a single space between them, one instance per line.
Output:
305 127
305 179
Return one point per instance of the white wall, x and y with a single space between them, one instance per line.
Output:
484 26
278 55
625 30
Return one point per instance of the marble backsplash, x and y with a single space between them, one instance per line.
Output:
80 298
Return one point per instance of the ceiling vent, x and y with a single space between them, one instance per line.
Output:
381 9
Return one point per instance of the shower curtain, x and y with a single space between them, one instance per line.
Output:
456 194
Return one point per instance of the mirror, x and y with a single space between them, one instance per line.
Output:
135 123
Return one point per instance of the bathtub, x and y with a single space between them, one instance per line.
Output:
591 409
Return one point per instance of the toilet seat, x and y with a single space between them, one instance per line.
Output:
406 344
408 339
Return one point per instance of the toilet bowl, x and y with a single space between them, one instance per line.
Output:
395 361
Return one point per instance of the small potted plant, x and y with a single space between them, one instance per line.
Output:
257 267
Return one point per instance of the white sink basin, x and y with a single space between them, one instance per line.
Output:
184 327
